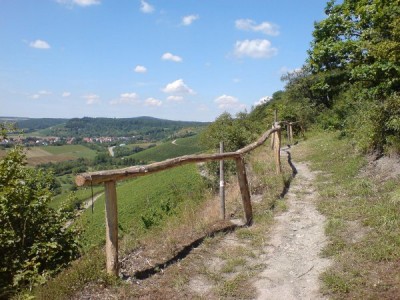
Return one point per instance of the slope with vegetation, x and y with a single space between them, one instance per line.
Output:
348 87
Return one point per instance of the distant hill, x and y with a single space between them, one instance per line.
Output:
146 127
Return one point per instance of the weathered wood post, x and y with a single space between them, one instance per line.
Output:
277 149
288 132
111 228
222 182
244 189
291 132
273 139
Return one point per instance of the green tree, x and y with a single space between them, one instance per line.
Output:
33 241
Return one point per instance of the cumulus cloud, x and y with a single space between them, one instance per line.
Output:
66 94
178 87
188 20
41 94
171 57
91 99
264 27
126 98
226 102
175 99
146 7
254 49
140 69
152 102
79 2
263 100
39 44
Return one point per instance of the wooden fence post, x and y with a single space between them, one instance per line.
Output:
111 228
273 138
222 182
244 189
277 149
291 132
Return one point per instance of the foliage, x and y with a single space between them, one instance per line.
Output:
234 132
351 79
33 241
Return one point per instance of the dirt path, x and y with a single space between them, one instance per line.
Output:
293 253
85 205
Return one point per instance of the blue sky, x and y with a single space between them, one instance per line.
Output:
173 59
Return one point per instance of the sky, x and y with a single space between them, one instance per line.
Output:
174 59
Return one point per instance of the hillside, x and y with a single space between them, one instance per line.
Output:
146 127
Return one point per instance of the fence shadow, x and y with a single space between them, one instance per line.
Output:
184 252
288 181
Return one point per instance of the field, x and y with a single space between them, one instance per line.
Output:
179 147
75 151
54 154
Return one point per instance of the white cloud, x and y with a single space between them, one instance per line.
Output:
126 98
264 27
171 57
140 69
79 2
226 102
254 49
66 94
44 92
41 94
285 70
152 102
91 99
39 44
146 7
188 20
263 100
175 99
178 87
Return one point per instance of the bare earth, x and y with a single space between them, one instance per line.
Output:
293 253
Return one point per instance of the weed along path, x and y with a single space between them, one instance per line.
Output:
292 256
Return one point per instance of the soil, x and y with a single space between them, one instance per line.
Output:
382 168
293 253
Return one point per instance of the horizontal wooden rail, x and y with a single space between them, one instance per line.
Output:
110 177
135 171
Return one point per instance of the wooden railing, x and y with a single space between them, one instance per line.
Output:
110 177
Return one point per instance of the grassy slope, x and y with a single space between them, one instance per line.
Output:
181 188
363 221
184 146
145 197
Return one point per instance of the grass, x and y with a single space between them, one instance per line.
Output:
81 195
363 221
75 151
144 203
183 146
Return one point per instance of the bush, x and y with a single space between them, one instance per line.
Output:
33 241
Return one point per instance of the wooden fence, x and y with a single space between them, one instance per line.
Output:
110 177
